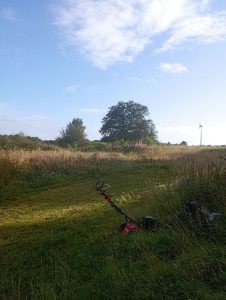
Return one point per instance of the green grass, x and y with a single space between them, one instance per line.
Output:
61 240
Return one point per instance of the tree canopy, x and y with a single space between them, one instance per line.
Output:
73 133
127 121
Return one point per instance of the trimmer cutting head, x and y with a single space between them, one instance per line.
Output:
147 223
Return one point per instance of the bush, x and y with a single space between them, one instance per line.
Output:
149 141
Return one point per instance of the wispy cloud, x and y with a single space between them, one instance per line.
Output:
107 31
8 14
87 110
91 110
152 80
207 28
72 88
173 68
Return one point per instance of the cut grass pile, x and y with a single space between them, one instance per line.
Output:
60 239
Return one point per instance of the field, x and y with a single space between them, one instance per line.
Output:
60 239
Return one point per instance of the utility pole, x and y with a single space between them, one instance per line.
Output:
200 126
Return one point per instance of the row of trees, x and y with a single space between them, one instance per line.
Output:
125 121
125 124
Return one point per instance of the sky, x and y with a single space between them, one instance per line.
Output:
68 59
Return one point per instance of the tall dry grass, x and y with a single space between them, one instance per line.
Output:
190 162
153 152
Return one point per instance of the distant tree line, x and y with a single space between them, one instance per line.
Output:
126 121
125 124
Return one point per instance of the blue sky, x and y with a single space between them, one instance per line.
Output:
68 59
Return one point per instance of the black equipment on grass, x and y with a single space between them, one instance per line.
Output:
147 223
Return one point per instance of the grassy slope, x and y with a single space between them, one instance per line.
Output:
63 243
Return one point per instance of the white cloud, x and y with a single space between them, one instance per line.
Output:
111 31
173 68
32 125
72 88
8 14
205 29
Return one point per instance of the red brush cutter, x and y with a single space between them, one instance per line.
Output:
147 223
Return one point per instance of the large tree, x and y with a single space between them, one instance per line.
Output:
73 133
127 121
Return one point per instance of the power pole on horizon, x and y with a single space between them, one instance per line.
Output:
200 126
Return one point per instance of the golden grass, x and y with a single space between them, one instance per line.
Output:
23 156
153 152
